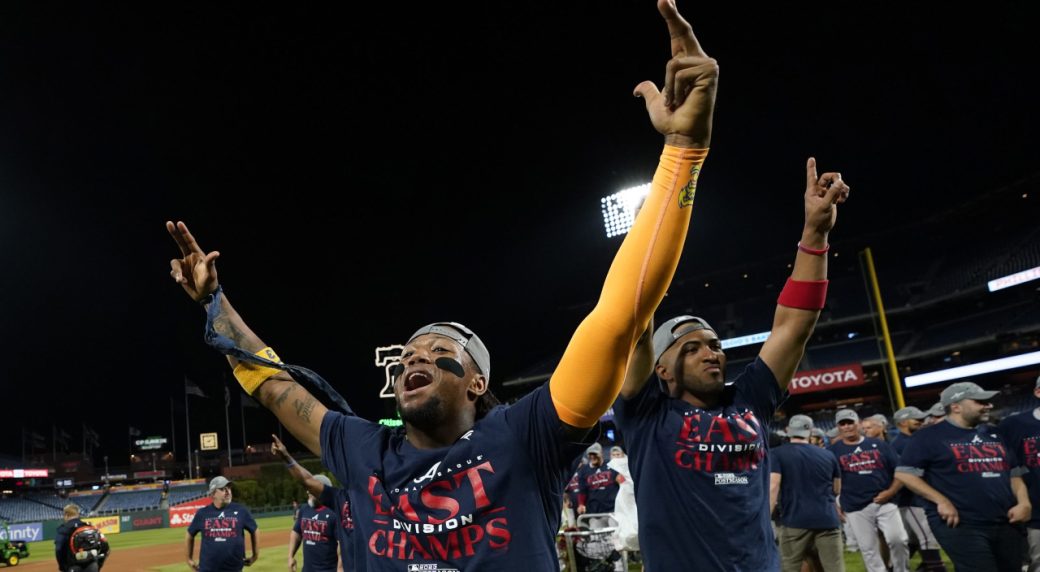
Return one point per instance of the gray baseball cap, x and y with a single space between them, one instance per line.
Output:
817 432
908 413
669 332
937 410
880 418
323 480
844 414
799 426
964 390
218 483
832 433
594 449
465 337
1038 381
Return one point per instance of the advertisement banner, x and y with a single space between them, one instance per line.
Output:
182 514
106 524
848 375
22 473
143 520
29 532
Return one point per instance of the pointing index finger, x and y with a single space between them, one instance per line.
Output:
683 40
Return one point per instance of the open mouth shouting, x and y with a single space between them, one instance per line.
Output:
415 381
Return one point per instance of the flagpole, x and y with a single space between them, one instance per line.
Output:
242 416
227 424
187 427
173 430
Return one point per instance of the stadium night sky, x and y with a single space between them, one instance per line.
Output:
474 143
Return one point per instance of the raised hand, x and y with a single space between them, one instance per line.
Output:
683 110
822 195
278 448
195 271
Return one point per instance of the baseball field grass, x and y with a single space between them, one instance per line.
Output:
162 550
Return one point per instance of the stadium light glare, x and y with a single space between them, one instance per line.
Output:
1014 279
980 368
619 209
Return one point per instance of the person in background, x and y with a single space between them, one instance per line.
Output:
908 420
976 501
223 525
805 482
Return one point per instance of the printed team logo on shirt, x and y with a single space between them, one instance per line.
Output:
862 461
450 517
601 479
316 528
1031 452
719 443
980 456
220 527
345 518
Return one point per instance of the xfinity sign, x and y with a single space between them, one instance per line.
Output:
848 375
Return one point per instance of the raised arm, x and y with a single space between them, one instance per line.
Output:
299 411
298 471
802 298
590 374
640 365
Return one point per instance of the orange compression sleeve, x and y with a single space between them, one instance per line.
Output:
589 376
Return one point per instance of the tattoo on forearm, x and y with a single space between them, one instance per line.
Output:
284 395
224 326
304 407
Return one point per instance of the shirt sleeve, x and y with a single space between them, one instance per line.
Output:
344 438
891 459
540 432
757 387
61 543
196 523
776 463
914 459
248 522
649 401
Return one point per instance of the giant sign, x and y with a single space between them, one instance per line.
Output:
106 524
182 514
29 532
848 375
22 473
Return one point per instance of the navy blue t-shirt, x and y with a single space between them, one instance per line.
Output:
571 490
317 527
599 487
971 467
702 475
806 486
1021 433
867 468
223 540
905 497
339 502
490 501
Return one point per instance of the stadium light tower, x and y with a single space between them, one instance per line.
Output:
619 209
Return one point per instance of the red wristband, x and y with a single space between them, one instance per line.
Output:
814 251
808 295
